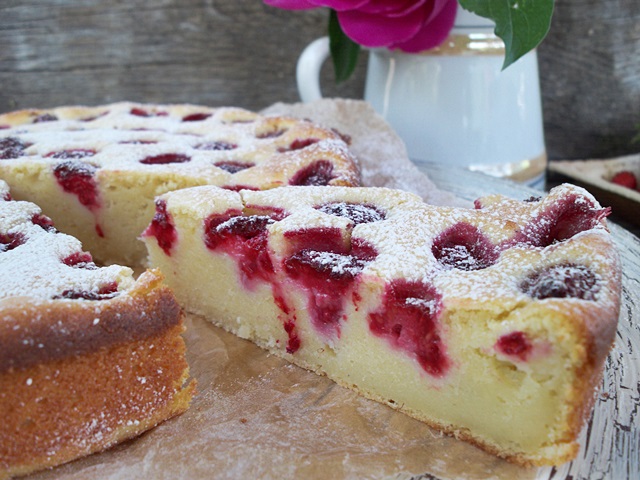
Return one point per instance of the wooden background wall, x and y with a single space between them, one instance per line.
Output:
241 52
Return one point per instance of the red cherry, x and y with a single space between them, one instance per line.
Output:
45 117
217 145
9 241
12 147
625 179
78 178
409 320
232 166
298 144
165 158
356 212
515 344
80 260
196 117
105 292
562 281
317 173
162 228
464 247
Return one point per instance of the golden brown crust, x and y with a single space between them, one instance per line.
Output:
41 332
595 328
90 374
283 133
61 410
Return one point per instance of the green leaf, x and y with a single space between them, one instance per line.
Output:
521 24
344 51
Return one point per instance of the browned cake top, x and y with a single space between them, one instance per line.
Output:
226 146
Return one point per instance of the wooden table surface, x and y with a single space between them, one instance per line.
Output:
243 53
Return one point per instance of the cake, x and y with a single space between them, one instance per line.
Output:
96 170
491 324
90 357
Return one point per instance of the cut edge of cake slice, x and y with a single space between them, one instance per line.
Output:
490 324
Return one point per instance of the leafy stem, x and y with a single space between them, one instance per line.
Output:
344 51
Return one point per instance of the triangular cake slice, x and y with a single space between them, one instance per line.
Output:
96 170
490 324
90 357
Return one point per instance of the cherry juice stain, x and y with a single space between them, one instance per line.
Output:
326 269
162 228
408 321
245 239
515 344
78 178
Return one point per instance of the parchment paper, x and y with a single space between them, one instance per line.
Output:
256 416
382 154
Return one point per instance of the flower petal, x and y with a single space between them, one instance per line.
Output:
340 5
399 7
439 5
373 30
433 32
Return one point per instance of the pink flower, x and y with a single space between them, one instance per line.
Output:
408 25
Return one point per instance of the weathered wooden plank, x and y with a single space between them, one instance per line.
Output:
241 52
590 78
216 52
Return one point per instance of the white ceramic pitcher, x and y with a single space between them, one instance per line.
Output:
454 104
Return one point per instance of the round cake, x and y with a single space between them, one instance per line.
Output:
96 170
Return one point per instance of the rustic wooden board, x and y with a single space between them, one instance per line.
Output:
237 52
590 79
241 52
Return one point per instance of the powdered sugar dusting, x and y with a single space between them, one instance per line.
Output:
486 259
337 264
118 137
35 267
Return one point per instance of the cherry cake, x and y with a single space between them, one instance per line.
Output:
90 357
96 170
491 324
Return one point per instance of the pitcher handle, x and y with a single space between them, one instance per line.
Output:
308 69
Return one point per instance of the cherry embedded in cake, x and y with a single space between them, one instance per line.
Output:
463 246
90 357
491 324
97 170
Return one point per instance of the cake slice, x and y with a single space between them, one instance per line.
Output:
96 170
490 324
90 357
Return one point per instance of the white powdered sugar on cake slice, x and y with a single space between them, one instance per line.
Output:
45 264
491 323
